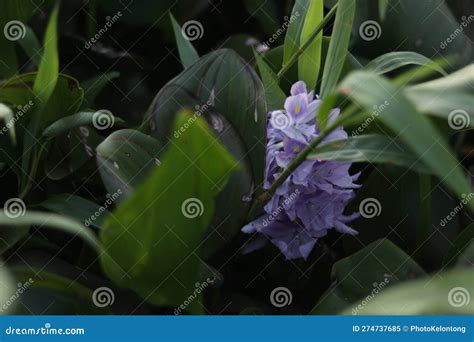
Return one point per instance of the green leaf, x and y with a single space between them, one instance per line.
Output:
31 46
220 82
68 123
293 33
374 268
309 63
48 72
81 209
275 96
459 81
125 159
460 244
371 148
401 116
338 47
153 239
395 60
447 293
383 5
57 222
187 53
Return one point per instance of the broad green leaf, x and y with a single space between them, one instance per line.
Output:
220 82
84 211
461 243
54 221
187 52
448 293
375 267
31 46
153 240
401 116
93 87
9 236
338 47
395 60
293 33
125 159
8 288
371 148
275 96
309 63
68 123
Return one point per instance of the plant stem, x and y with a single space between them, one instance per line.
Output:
300 51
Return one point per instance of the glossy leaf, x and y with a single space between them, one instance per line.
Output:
338 47
161 261
275 96
125 159
371 148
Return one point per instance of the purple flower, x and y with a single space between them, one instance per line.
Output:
312 200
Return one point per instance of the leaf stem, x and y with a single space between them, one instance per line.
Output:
315 33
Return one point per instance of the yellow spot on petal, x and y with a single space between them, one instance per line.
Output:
297 108
296 148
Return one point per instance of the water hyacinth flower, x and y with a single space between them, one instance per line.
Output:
312 200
